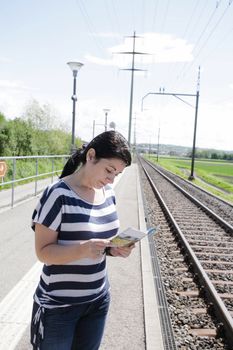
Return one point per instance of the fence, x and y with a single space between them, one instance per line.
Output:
15 179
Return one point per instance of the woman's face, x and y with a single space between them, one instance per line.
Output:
104 171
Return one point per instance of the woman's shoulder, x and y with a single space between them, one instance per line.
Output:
56 188
57 185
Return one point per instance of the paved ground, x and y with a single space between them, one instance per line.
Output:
22 192
133 319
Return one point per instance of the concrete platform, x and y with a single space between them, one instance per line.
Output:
133 321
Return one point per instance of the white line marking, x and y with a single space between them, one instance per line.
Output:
15 309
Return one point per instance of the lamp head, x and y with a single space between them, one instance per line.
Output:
106 110
75 66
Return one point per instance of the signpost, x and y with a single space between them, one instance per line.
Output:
3 168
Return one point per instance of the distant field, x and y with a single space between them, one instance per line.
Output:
214 175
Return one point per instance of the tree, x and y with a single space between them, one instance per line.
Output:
214 155
4 135
2 120
20 140
41 117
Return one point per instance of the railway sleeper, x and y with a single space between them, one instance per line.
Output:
203 332
219 262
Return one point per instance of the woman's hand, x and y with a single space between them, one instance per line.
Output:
50 252
124 252
94 248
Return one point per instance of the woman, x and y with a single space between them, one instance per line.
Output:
74 222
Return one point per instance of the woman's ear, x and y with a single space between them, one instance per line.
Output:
90 154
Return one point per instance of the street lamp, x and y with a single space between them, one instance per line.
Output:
75 67
106 110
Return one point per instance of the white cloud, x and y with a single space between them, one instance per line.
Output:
158 48
13 84
5 60
107 35
100 61
14 95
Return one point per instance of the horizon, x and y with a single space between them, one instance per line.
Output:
189 147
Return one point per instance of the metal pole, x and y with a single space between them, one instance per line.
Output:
74 99
131 91
36 178
191 177
52 170
106 121
158 145
106 110
93 134
13 182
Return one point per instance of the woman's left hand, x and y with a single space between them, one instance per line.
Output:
124 252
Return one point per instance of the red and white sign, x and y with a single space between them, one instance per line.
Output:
3 168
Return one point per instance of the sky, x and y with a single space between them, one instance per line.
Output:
174 38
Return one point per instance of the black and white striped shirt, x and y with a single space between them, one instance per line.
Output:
75 220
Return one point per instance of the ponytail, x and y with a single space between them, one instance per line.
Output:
73 162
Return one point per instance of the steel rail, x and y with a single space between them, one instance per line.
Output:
220 220
220 310
191 184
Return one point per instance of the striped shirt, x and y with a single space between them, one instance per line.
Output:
75 220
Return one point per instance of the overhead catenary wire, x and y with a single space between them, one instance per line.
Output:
192 23
210 34
220 42
116 16
112 20
165 16
192 16
197 41
187 66
90 25
155 11
143 5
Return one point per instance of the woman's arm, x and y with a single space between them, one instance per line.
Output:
50 252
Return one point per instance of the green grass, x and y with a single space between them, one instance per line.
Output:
215 176
27 167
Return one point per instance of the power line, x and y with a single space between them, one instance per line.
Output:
165 15
155 14
191 18
112 16
212 31
89 23
188 28
186 67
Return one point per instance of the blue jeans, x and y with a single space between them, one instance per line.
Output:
78 327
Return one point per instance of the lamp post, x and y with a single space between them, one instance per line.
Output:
106 110
75 67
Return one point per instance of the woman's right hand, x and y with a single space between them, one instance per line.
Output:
50 252
94 248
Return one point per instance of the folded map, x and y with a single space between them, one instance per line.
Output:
130 236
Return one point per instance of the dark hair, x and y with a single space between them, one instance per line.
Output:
109 144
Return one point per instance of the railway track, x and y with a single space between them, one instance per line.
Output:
195 250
